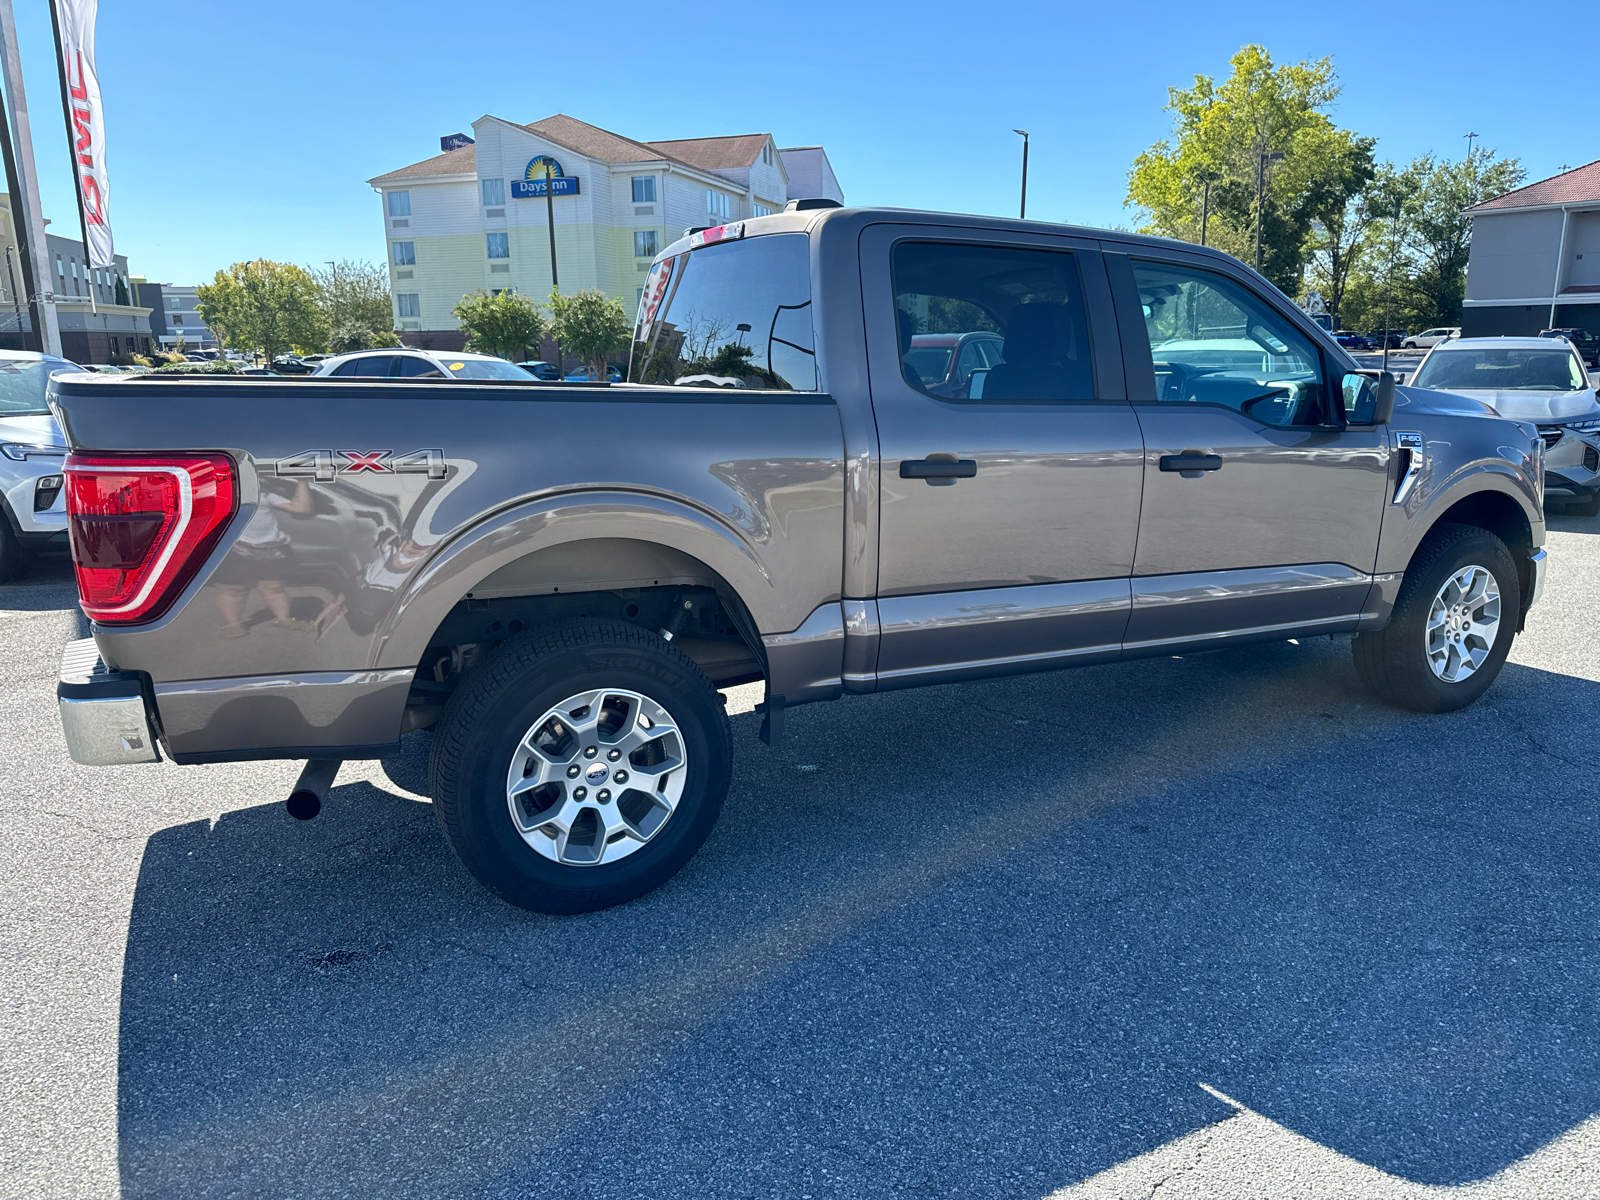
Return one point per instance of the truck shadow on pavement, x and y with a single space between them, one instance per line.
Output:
966 942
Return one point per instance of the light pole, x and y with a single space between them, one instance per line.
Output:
1388 283
1470 138
550 220
1261 184
1023 215
1207 178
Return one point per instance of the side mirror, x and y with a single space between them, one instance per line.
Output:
1368 397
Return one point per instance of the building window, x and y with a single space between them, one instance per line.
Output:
716 203
644 189
499 245
174 302
638 298
177 320
405 254
409 304
399 204
761 210
644 243
494 192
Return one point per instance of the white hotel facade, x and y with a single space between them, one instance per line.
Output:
456 223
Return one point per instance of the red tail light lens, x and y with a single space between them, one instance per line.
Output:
141 527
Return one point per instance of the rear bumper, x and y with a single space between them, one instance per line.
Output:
103 713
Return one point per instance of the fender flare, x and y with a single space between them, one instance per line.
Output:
526 528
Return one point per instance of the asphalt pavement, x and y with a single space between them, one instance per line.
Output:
1218 925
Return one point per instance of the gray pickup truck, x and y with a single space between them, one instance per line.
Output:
815 478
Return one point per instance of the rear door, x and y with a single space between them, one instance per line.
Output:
1008 520
1260 511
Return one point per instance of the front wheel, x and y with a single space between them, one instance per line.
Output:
580 767
1452 626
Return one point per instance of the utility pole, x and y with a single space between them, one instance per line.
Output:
1261 184
1023 215
25 210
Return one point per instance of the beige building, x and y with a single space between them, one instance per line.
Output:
475 217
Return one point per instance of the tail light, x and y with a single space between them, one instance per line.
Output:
141 527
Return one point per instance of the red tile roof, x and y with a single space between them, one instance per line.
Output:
1581 185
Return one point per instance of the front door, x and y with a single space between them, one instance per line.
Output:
1009 492
1261 510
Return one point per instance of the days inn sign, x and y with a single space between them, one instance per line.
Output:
532 182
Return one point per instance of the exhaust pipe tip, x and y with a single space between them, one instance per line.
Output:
311 789
303 806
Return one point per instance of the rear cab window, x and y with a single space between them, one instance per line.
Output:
732 315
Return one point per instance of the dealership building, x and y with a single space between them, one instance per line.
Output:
478 216
1535 258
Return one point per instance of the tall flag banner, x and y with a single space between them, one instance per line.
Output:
86 126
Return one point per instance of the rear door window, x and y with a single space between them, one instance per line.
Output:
376 367
736 314
409 367
1031 301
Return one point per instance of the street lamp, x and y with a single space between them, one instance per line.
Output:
1023 215
1261 184
1470 138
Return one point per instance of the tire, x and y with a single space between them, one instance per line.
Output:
519 696
1395 662
14 556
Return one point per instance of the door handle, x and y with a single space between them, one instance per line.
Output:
938 470
1191 462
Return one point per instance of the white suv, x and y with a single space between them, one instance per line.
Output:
1430 338
402 362
33 503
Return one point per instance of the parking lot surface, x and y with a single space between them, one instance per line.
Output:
1219 925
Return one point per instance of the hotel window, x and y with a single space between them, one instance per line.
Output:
399 204
716 203
177 320
644 189
405 254
644 243
499 245
761 210
409 304
494 192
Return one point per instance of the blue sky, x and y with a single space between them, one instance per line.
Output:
242 130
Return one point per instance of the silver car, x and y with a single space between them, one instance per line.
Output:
32 500
1541 380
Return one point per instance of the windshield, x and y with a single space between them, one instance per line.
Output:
484 368
1491 369
932 363
22 384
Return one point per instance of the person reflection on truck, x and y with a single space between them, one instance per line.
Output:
259 559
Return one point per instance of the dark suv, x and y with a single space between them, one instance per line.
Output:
1588 344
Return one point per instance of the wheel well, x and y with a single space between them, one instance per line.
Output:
640 583
1503 517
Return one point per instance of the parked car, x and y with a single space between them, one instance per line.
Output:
581 375
1168 456
292 364
1587 344
1395 339
1538 379
945 362
33 511
1351 340
402 362
539 369
1429 338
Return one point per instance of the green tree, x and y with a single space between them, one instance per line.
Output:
1339 203
590 325
1220 133
505 325
267 306
1437 236
355 295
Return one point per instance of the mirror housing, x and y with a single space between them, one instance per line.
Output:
1375 397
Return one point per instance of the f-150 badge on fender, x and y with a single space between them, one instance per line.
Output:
325 464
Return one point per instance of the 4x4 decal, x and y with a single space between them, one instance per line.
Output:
325 464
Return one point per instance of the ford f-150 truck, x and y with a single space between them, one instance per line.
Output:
1160 454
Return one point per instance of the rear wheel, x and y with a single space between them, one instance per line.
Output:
1452 626
581 767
